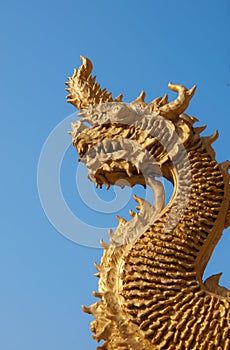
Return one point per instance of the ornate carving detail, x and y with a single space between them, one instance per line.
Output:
83 89
151 294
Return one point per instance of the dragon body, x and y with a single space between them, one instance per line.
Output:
151 293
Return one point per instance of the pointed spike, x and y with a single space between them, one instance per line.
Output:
103 244
191 91
131 213
109 94
142 96
154 103
164 100
97 294
139 200
213 280
87 65
121 220
200 129
156 100
111 233
97 275
140 100
97 267
212 138
87 310
194 119
119 98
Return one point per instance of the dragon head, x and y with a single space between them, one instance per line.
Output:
127 135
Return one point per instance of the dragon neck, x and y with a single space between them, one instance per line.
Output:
195 213
203 221
164 266
189 228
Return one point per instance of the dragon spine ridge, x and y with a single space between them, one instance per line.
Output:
151 291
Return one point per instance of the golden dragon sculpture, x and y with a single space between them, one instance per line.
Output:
151 293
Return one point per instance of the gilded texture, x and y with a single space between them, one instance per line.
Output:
151 294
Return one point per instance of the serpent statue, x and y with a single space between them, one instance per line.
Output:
151 294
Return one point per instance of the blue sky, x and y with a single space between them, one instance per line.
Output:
134 45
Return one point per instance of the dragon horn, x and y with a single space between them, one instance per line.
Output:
173 109
82 88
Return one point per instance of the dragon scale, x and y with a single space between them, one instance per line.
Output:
151 293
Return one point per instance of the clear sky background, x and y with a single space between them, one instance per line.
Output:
134 45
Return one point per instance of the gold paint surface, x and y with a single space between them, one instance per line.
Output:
151 293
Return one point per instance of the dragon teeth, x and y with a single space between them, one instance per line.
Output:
127 167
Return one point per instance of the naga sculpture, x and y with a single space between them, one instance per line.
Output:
151 293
